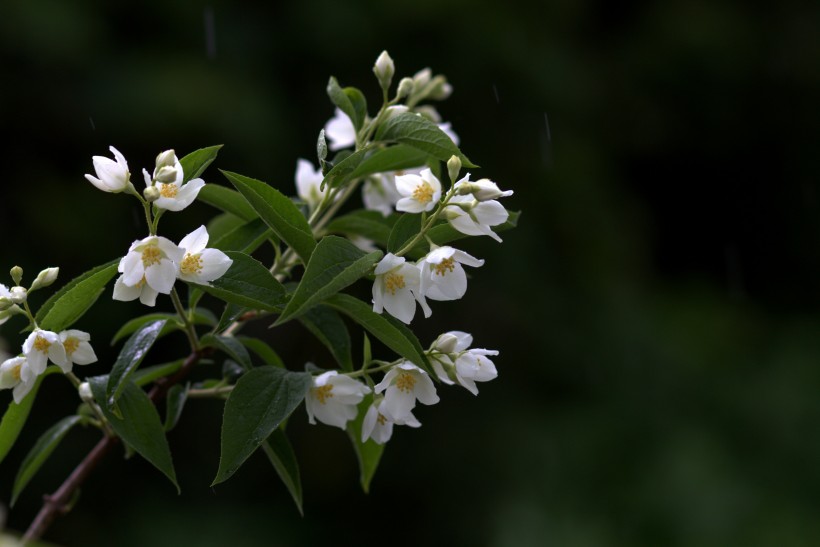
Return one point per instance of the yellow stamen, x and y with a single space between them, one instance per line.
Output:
446 265
15 372
393 281
71 345
191 264
381 419
151 255
323 393
423 193
405 382
41 344
168 190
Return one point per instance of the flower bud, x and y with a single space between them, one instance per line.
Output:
5 303
85 392
166 159
405 88
45 278
165 174
151 194
446 343
16 274
321 146
439 89
18 295
485 190
453 167
384 70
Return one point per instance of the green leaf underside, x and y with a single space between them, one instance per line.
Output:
40 452
263 350
280 453
230 346
245 238
392 158
335 264
392 333
195 163
278 212
140 426
261 400
407 227
420 133
172 324
249 284
68 304
369 454
175 402
130 357
351 103
369 224
227 200
327 326
16 415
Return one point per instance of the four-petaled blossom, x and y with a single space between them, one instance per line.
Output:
333 397
453 361
394 288
201 265
403 385
78 350
150 262
42 346
16 373
419 192
473 217
173 195
442 276
112 176
308 183
340 130
380 194
379 427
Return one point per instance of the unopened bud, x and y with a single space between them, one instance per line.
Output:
384 70
85 392
5 303
18 295
17 274
321 146
166 159
446 343
45 278
421 79
165 174
151 194
439 89
453 167
485 190
405 88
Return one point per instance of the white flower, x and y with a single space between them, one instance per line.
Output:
403 385
201 265
340 130
442 277
394 287
42 346
45 278
452 360
384 69
112 176
333 397
152 261
380 193
173 195
5 294
78 349
141 290
379 427
420 192
470 216
16 373
308 183
485 190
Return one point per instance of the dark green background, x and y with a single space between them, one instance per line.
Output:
656 311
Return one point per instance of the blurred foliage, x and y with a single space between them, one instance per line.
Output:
656 311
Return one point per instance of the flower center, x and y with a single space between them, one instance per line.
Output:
423 193
405 382
191 264
381 419
446 265
151 255
71 345
323 393
41 344
168 190
15 372
141 282
393 281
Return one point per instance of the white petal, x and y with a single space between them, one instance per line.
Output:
490 213
123 292
387 263
214 264
407 184
469 260
412 205
148 296
161 276
425 391
170 250
397 403
195 242
401 305
437 255
84 354
448 286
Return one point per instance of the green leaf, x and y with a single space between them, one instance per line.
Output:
130 357
227 200
335 264
326 325
140 426
245 238
278 450
223 223
70 303
392 158
175 402
359 105
201 317
422 134
195 163
278 212
407 227
230 346
145 376
344 169
391 332
16 415
262 399
263 350
231 313
40 452
248 283
369 454
351 103
368 224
